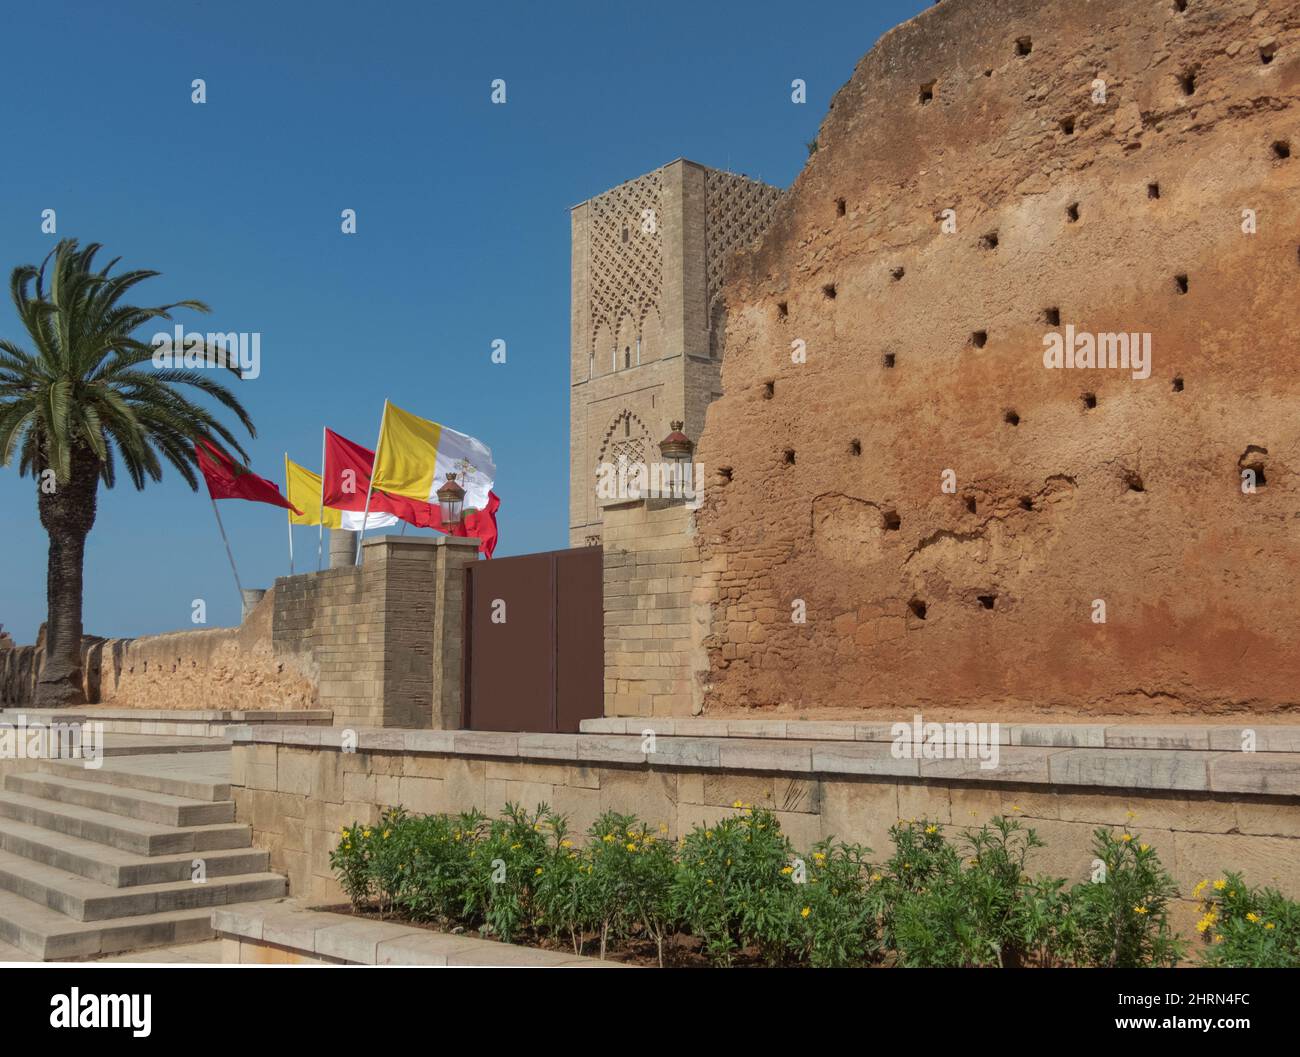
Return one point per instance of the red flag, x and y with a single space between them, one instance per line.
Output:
347 478
228 479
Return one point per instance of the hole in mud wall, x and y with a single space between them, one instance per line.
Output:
1281 149
1089 401
897 273
888 359
926 94
1180 283
788 456
769 390
918 608
1026 502
987 600
1011 418
1052 316
841 207
892 521
1133 482
1187 82
1024 45
782 309
1258 469
1067 125
855 446
829 291
1180 6
725 472
1153 190
970 504
1178 383
1072 212
979 338
1266 52
989 241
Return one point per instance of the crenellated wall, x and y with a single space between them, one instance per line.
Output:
1110 166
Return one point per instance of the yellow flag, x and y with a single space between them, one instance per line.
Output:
407 455
415 455
303 491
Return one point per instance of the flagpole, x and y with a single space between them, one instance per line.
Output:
288 514
361 539
229 554
320 538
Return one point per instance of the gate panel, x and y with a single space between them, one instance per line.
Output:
511 678
542 669
580 638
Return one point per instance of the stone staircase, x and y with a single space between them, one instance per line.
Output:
98 861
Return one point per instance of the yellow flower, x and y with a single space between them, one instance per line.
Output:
663 827
566 843
1219 886
1140 910
819 856
515 847
1016 807
805 912
709 881
631 846
366 834
1130 814
708 833
537 871
1252 917
787 870
932 829
875 877
1269 925
1127 838
608 838
386 833
1206 921
1196 892
1144 847
737 804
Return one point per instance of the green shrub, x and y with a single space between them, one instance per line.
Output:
1247 927
439 863
561 892
629 879
834 913
949 909
727 889
350 861
1120 919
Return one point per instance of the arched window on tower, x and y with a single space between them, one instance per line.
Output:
627 356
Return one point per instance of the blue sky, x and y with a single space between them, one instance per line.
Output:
462 213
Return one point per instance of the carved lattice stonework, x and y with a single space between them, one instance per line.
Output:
737 210
626 260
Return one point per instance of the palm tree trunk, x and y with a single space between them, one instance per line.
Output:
67 511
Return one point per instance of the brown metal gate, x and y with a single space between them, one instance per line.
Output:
534 641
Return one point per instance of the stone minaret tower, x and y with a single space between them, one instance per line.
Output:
648 320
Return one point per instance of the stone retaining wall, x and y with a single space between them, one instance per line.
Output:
1203 811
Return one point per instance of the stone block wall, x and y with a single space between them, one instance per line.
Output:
657 610
298 796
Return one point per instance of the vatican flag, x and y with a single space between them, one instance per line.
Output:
303 488
414 456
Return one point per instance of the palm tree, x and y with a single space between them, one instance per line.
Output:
87 397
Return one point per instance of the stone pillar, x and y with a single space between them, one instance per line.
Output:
414 596
343 548
656 616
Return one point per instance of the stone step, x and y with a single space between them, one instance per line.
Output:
151 774
117 868
129 834
51 936
162 808
85 900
